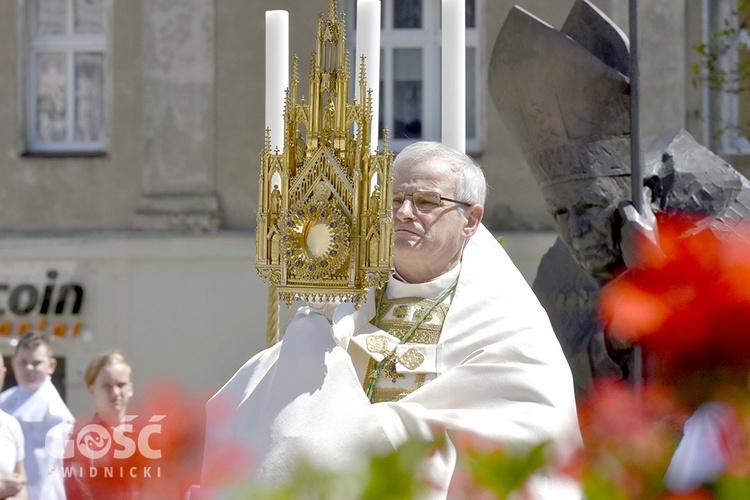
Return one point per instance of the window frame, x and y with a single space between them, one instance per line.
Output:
428 38
729 138
69 45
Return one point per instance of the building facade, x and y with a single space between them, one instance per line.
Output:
130 139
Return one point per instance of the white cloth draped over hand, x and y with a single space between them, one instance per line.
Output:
501 376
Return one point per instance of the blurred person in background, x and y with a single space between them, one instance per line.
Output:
107 378
98 458
12 472
42 413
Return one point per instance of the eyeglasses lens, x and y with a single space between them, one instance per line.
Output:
423 200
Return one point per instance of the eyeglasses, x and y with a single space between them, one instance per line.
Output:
423 200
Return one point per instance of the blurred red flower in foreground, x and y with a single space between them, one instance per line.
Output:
629 437
687 303
179 439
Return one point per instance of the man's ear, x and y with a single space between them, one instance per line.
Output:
52 365
473 218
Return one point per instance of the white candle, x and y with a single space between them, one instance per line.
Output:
368 45
453 98
277 73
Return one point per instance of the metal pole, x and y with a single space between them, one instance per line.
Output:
636 160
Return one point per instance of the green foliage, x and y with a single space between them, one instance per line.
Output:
309 483
505 472
605 473
731 487
712 71
392 476
598 487
396 476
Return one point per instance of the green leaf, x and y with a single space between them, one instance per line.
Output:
396 475
598 487
731 487
504 472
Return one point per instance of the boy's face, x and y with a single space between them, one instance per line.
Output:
32 366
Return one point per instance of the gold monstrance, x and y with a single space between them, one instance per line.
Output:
325 218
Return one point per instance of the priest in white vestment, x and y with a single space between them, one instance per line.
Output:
456 343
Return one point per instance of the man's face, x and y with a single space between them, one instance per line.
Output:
32 366
112 390
584 213
428 243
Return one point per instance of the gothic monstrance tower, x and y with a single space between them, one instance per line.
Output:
325 218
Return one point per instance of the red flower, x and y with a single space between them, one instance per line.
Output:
688 301
638 425
178 439
629 437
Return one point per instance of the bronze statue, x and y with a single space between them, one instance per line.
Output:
565 96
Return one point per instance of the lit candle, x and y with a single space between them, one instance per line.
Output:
368 45
453 98
277 73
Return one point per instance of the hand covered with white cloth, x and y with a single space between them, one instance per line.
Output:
345 319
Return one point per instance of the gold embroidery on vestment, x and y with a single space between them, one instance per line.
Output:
377 344
420 310
397 317
411 359
381 394
400 311
389 371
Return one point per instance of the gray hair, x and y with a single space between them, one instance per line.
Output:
471 186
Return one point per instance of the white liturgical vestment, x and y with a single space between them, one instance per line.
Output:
496 372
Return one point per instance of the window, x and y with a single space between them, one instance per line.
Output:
66 70
410 71
725 69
